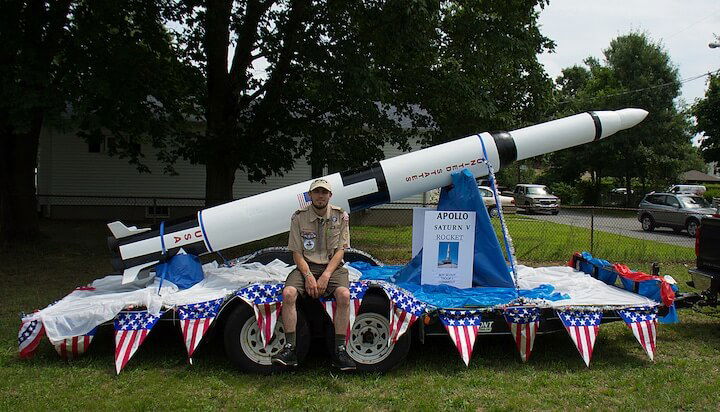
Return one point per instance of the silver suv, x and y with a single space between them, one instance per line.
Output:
536 198
676 211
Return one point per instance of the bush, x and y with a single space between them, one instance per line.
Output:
567 193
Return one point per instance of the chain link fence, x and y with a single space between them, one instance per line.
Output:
385 231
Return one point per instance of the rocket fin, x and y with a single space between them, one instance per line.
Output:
119 230
130 274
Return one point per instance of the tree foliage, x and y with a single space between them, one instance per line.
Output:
638 73
707 113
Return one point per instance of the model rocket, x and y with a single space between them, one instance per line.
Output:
266 214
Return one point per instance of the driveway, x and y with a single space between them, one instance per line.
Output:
626 226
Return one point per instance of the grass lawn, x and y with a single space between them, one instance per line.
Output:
685 374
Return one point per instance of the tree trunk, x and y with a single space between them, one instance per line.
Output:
18 201
219 180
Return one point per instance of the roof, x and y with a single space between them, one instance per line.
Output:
698 176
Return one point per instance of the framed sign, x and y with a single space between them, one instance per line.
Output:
448 248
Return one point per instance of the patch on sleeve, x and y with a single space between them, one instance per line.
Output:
297 212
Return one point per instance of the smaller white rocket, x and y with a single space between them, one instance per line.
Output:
266 214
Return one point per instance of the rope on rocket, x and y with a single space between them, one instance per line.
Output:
509 248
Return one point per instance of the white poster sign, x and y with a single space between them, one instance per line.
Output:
448 248
418 228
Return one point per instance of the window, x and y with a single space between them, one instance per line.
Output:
654 199
94 145
157 211
672 201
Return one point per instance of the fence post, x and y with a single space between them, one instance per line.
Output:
154 208
592 230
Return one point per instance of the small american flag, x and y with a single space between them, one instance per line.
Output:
29 336
583 327
266 301
357 293
72 348
643 323
131 329
463 326
404 311
304 200
195 320
523 323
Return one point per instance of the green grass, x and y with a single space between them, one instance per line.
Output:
684 375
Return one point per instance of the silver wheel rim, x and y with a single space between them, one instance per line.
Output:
494 212
252 344
368 343
646 223
691 228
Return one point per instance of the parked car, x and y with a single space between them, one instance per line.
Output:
676 211
690 189
536 198
507 202
621 191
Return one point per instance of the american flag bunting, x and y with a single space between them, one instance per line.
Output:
463 326
131 329
266 301
404 311
357 293
195 320
583 327
72 348
643 323
524 323
29 336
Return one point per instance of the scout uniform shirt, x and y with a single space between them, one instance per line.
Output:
317 238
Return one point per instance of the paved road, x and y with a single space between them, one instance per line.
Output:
627 226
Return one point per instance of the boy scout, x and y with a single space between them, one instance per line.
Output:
319 235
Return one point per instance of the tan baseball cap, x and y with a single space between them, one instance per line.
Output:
320 183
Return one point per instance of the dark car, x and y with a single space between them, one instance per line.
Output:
676 211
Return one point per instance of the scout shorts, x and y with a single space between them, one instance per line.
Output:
339 278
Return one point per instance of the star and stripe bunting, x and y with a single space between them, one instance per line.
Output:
404 311
524 323
583 327
357 293
29 336
266 301
463 326
195 320
643 323
73 348
131 329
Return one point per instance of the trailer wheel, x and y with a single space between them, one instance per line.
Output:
244 345
368 342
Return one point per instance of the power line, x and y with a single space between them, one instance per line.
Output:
657 86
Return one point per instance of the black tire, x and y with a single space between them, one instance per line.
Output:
368 343
555 212
648 223
528 209
243 344
692 226
493 211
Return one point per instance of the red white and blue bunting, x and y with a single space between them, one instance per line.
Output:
404 311
583 327
266 301
463 326
73 348
195 320
524 323
131 329
643 323
357 293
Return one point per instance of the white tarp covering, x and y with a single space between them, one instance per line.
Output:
584 290
82 310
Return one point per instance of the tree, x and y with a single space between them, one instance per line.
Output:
77 61
343 78
636 73
707 113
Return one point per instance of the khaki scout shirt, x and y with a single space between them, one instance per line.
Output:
317 238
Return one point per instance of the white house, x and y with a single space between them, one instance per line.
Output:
76 180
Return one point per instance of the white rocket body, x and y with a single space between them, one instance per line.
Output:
266 214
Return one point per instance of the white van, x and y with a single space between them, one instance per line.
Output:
693 189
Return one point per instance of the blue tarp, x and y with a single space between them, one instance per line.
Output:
489 266
444 296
